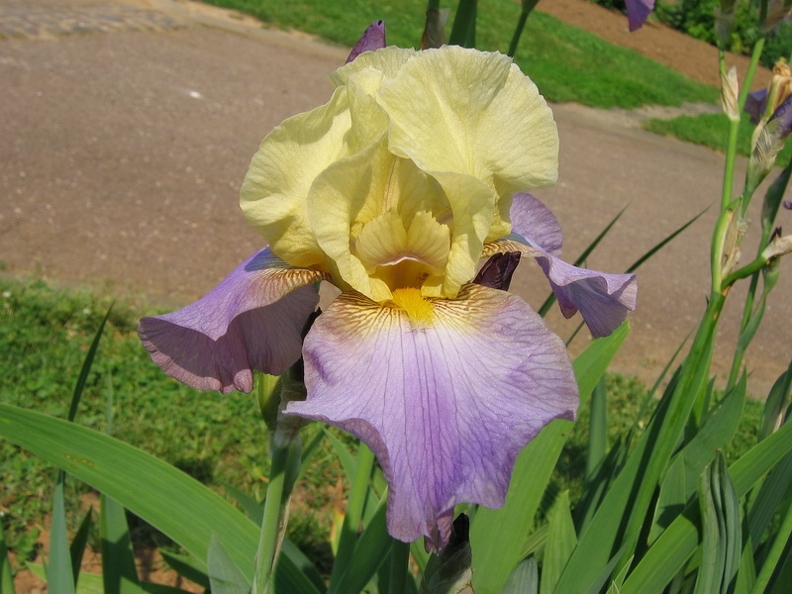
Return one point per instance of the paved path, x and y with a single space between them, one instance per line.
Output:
121 156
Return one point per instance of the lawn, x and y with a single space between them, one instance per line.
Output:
711 130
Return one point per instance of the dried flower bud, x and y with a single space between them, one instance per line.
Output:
730 89
777 247
777 11
764 102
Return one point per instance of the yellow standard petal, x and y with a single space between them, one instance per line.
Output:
273 195
482 117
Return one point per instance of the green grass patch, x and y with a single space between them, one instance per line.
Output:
711 130
567 63
217 439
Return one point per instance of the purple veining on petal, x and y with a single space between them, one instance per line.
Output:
638 11
533 221
251 321
497 272
602 299
755 105
445 408
373 39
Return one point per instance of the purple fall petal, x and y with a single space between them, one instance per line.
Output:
251 321
373 39
602 299
638 11
445 407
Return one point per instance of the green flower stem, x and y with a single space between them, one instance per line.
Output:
729 206
271 523
354 514
773 558
749 269
400 559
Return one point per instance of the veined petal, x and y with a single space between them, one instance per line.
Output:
351 193
602 299
446 406
273 194
253 320
493 122
532 220
388 61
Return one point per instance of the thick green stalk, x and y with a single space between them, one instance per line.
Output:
271 522
400 559
527 9
354 514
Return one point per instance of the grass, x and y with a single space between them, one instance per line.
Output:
711 130
44 333
567 64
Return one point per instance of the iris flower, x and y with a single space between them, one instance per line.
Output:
638 11
395 191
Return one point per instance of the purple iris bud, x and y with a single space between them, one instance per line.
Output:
638 11
781 120
498 270
755 105
373 39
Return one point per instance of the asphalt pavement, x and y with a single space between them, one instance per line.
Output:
126 128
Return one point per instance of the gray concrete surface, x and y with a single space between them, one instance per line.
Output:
126 128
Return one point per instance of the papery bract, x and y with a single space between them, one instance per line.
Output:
779 89
394 191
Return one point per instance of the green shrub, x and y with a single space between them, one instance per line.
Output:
778 45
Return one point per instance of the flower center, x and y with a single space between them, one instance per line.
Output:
403 255
418 309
